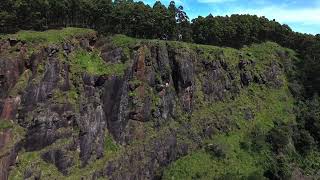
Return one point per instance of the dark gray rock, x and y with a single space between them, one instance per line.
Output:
216 81
68 48
65 76
162 84
10 71
31 173
59 158
13 41
216 150
1 106
142 163
246 78
248 114
42 130
85 44
52 50
92 124
115 99
36 93
242 64
115 55
273 75
182 71
183 77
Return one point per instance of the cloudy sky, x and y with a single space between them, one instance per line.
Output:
300 15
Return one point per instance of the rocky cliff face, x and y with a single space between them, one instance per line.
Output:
90 107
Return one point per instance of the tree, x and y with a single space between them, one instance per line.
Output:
161 20
172 29
184 28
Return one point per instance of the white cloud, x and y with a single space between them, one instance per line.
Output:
283 14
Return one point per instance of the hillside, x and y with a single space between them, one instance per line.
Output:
75 104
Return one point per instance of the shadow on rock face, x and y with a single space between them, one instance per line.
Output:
59 159
115 100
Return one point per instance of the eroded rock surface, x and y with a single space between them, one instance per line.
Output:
70 113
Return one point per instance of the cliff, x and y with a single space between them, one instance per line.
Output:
75 105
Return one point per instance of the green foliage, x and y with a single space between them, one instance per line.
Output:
5 124
93 64
246 150
139 20
50 36
242 149
15 131
33 161
111 149
71 96
306 133
109 144
21 84
279 137
124 41
303 141
217 150
311 162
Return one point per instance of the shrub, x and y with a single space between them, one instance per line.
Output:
216 150
279 137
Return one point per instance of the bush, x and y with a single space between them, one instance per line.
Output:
303 141
256 176
258 140
279 169
279 137
216 150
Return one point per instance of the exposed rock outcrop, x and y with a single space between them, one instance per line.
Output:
145 109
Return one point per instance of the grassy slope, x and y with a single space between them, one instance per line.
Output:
32 160
245 147
50 36
94 65
268 106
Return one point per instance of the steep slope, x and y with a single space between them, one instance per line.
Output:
74 105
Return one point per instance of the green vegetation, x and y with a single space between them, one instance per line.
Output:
5 124
111 150
268 106
267 52
93 64
257 133
33 161
21 84
70 96
123 41
137 19
109 144
249 124
311 162
15 131
50 36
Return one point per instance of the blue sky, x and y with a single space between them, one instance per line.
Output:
301 15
